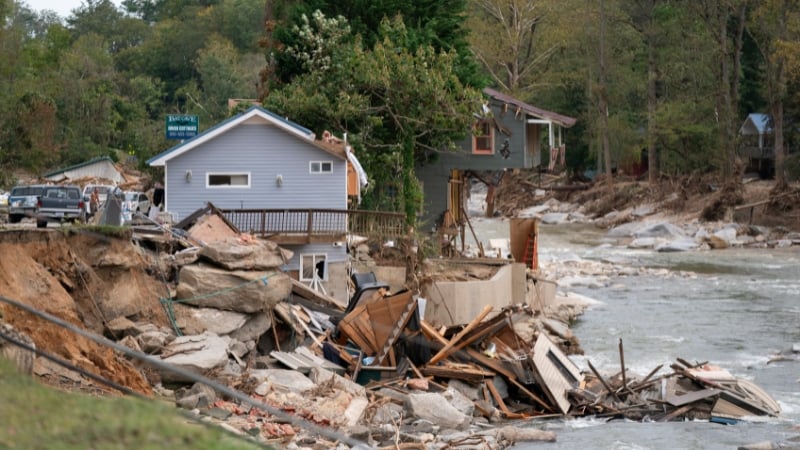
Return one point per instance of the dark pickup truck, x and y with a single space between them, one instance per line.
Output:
59 204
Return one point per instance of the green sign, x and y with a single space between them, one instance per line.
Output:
182 126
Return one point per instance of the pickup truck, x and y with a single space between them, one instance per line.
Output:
60 203
22 202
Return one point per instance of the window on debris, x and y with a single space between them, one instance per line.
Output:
320 167
483 138
313 266
238 180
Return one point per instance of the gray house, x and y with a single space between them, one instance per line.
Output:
259 161
507 134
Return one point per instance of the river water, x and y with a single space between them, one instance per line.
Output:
734 308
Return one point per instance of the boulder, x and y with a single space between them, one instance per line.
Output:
678 245
193 320
196 353
234 253
153 341
661 229
240 291
435 408
256 325
555 218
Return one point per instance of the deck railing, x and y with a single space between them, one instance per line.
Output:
315 225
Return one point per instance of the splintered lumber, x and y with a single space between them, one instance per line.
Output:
602 380
622 365
310 294
431 332
497 366
532 396
464 372
443 353
497 398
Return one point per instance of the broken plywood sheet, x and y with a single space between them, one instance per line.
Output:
557 372
210 228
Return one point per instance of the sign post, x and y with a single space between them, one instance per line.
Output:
182 126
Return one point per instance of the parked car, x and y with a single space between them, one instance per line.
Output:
4 202
134 202
102 191
60 203
23 202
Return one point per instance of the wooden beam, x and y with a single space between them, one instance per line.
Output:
448 348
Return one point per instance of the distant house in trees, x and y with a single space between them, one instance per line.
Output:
757 145
508 133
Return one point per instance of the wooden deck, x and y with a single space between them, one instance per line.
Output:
305 226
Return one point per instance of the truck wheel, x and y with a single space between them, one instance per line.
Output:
14 218
41 223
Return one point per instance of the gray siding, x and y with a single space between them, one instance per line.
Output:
264 152
436 175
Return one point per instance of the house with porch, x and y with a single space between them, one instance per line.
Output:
508 133
271 177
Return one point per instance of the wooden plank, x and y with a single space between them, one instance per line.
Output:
431 333
443 353
497 398
493 364
310 294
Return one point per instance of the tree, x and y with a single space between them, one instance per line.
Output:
775 27
435 23
506 37
396 105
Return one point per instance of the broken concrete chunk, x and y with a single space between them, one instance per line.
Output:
435 408
283 380
459 401
321 376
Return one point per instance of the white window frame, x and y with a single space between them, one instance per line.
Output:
230 174
321 167
313 259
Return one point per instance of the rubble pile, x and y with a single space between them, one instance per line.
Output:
376 370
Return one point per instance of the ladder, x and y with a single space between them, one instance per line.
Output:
531 255
399 325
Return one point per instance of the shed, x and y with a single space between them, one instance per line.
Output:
99 168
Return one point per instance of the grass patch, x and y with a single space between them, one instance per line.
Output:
35 416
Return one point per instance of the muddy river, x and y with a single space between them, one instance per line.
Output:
734 308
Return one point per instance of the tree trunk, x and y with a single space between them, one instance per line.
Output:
652 171
603 88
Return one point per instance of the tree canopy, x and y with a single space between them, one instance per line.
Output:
401 77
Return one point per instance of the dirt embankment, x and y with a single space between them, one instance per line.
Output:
682 198
86 279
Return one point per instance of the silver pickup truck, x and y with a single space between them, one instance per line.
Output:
59 204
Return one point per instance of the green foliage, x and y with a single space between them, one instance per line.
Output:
394 103
35 416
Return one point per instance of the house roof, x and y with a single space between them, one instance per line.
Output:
560 119
755 124
254 113
79 165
